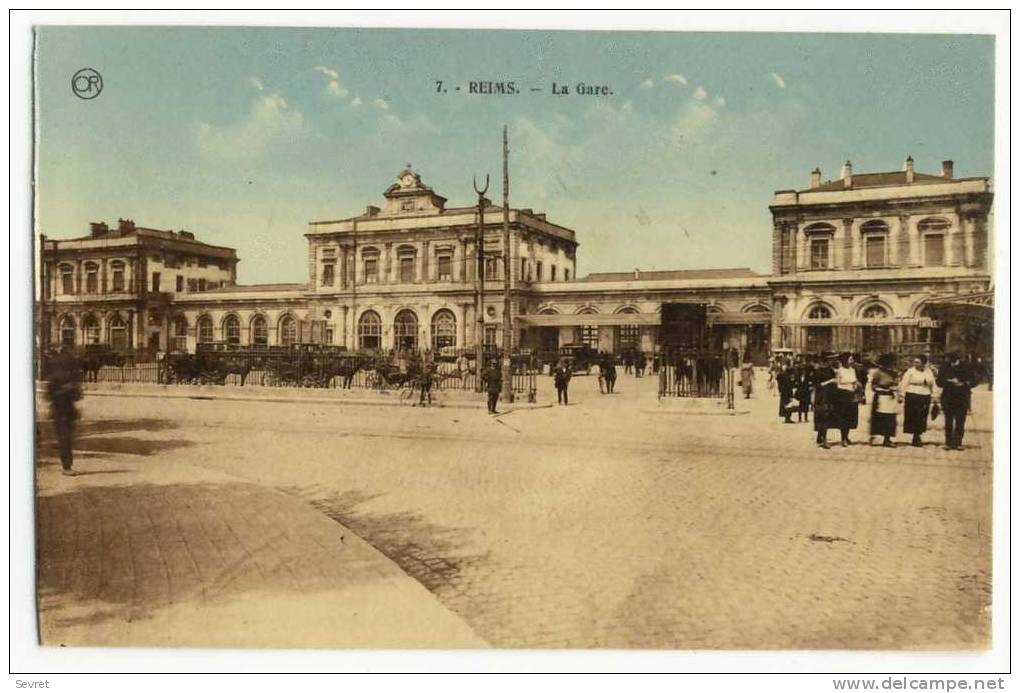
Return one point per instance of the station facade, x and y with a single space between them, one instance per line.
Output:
856 263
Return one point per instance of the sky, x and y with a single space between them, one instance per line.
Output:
244 135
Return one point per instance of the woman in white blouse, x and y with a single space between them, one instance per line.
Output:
917 389
846 413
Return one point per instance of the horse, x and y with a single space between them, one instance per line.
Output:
228 365
93 361
180 368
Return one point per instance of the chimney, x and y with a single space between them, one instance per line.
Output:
637 273
908 167
816 178
848 174
947 169
371 211
98 229
125 226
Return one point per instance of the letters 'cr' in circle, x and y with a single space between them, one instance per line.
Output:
87 83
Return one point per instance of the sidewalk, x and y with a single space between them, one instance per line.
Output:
143 551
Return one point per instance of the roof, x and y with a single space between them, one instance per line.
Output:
242 288
732 273
885 179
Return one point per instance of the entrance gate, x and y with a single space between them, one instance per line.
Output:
697 373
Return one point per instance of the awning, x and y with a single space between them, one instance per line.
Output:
577 320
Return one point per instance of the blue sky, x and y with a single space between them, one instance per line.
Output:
245 135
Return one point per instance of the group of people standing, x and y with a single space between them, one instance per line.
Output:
836 389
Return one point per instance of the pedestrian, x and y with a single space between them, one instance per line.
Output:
627 361
747 378
825 401
610 374
63 388
427 378
956 379
561 378
639 364
802 390
917 390
786 385
884 383
493 384
601 365
848 398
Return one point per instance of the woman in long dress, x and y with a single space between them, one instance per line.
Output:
747 379
917 387
883 401
825 401
847 385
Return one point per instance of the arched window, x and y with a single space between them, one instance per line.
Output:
405 330
819 239
874 312
933 232
67 331
444 330
205 329
876 241
232 329
179 334
369 330
288 331
90 328
91 278
117 276
66 279
118 333
819 313
259 331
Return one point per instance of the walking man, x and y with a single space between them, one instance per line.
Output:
956 379
64 389
610 374
561 378
493 384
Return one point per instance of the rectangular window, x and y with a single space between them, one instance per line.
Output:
819 253
180 282
406 270
117 282
91 282
566 275
328 276
155 281
490 269
66 282
524 269
538 270
201 284
444 268
552 272
875 251
192 285
328 339
371 270
934 250
407 206
203 262
490 335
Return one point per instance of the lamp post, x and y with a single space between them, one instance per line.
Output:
508 388
480 282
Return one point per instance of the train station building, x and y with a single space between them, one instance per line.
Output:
857 264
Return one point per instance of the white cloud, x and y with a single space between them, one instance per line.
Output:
647 84
700 93
257 83
780 82
356 101
676 79
333 85
380 103
270 121
329 72
697 118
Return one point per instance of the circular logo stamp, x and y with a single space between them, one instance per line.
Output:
87 83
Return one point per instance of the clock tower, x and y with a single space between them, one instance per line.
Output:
410 196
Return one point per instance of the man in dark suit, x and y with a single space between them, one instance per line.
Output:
956 379
493 384
63 387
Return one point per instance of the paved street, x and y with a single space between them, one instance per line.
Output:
601 524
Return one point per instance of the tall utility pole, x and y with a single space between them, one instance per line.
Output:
480 283
508 386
